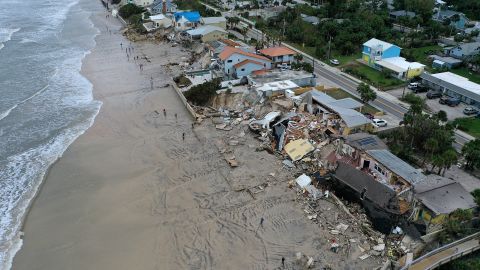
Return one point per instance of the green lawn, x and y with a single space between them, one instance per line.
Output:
471 125
463 71
305 49
345 59
373 76
339 94
421 54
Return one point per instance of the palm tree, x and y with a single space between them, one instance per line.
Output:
431 145
366 93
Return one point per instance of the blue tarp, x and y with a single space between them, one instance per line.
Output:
192 16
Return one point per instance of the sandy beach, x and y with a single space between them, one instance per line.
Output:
131 194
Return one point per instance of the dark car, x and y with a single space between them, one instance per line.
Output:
443 100
419 89
452 102
433 94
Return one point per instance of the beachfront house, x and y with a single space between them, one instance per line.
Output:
186 20
390 170
161 21
238 62
141 3
163 6
436 198
215 21
279 54
208 33
382 55
342 112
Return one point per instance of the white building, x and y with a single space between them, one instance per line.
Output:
455 86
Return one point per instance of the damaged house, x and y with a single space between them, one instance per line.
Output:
370 170
436 198
340 112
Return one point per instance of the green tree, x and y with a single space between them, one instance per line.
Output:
457 226
442 116
298 57
201 94
431 145
476 196
130 9
449 158
366 93
471 152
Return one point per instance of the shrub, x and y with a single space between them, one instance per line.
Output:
201 94
130 9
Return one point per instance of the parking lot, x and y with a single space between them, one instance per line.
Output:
433 105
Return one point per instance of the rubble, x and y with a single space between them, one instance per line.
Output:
302 141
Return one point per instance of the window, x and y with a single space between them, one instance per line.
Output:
242 69
229 61
380 170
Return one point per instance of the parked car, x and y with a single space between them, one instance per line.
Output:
334 62
452 102
413 85
284 66
419 89
443 100
470 111
433 94
369 116
379 122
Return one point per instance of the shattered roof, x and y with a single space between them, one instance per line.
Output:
397 165
442 195
351 117
204 30
348 103
358 180
365 141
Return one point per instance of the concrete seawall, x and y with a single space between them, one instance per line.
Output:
184 100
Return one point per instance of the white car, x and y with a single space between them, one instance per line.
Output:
334 62
379 122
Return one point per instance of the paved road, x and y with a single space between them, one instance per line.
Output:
390 106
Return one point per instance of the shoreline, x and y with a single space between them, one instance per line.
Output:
131 193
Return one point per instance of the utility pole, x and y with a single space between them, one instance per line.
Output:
329 46
406 77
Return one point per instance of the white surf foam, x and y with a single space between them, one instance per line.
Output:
6 35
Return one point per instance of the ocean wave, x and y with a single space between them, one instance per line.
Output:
7 112
6 35
21 177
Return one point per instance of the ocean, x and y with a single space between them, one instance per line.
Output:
45 103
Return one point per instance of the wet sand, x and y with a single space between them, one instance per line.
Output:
130 194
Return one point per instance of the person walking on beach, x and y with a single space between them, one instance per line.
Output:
183 136
164 113
151 85
283 262
175 115
121 45
193 125
261 221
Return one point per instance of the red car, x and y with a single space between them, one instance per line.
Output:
369 116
